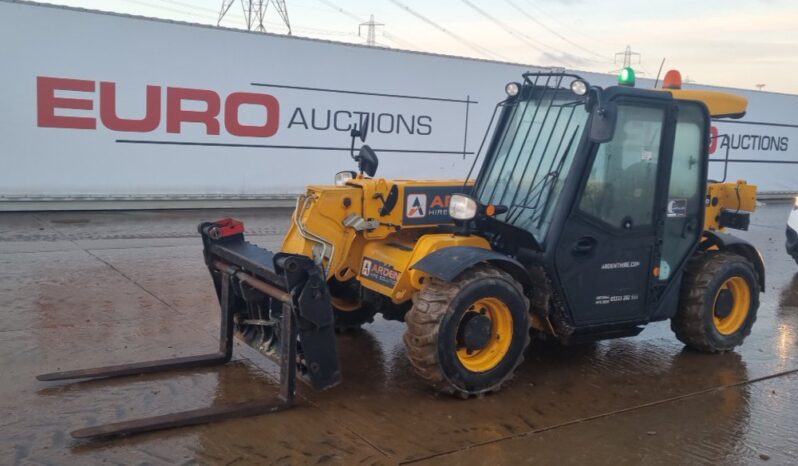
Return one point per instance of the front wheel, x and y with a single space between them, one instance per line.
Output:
467 337
718 302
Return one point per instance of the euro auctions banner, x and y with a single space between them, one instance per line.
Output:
764 153
99 106
762 147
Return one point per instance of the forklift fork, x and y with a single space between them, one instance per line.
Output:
222 251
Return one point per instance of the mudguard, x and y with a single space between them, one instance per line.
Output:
448 263
725 241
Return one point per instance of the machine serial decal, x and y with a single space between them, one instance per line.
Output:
379 272
620 265
616 299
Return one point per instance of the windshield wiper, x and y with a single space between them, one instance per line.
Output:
517 209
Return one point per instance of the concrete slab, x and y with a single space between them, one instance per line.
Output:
93 288
751 423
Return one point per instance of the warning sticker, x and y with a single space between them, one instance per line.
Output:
677 208
380 272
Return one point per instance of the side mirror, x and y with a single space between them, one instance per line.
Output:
364 129
361 132
367 160
603 121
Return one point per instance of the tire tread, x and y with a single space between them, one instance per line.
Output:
688 323
423 323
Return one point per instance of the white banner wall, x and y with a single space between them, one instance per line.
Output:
98 106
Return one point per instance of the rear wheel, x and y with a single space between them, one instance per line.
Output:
718 303
467 337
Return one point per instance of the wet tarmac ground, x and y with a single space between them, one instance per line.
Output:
84 289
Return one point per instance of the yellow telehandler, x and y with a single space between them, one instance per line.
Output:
589 217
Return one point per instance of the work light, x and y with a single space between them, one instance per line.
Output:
579 87
341 178
512 89
462 207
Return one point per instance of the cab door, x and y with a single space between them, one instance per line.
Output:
611 241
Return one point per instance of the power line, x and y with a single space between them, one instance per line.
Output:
569 27
166 8
371 31
327 32
211 16
191 7
536 44
481 50
566 39
400 41
513 32
359 20
255 12
627 56
300 29
341 10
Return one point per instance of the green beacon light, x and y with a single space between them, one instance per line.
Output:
627 77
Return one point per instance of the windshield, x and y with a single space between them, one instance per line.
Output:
532 156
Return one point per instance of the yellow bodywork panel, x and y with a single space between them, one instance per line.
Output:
732 196
720 104
433 197
374 230
387 264
317 229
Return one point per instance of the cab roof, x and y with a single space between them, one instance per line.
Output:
719 104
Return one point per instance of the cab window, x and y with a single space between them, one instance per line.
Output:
685 190
620 190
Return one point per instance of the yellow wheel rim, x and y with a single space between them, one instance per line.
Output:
501 335
741 304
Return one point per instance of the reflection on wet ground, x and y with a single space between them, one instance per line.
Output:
90 289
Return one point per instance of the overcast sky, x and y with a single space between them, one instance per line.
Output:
734 43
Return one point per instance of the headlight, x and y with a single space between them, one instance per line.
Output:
795 205
512 89
579 87
462 207
341 178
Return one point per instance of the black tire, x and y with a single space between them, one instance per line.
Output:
349 310
354 320
431 338
694 323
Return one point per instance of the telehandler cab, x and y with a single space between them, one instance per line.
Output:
589 217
